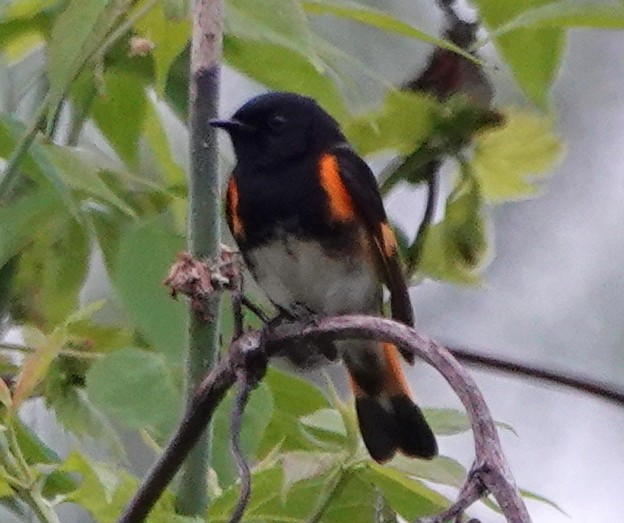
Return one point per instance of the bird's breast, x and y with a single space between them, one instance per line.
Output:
299 274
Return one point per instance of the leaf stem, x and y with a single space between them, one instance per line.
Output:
17 156
338 481
416 249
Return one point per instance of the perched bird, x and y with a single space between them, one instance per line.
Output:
308 218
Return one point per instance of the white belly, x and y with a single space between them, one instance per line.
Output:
297 273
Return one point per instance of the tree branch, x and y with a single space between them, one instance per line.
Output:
489 474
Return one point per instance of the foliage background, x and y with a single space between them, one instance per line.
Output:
552 293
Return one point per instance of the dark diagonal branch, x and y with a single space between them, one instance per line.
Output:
489 474
578 384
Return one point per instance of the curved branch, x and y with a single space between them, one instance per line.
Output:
489 473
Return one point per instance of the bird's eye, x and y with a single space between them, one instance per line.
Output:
277 122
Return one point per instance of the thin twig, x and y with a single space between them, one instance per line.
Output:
243 386
63 352
577 383
416 249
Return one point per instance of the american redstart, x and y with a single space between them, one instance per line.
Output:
308 218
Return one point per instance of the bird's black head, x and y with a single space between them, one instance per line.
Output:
278 127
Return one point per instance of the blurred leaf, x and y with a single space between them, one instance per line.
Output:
175 9
5 394
146 251
255 420
278 22
509 159
120 112
77 32
375 18
403 122
409 498
48 281
328 420
5 489
300 465
534 55
76 413
135 386
536 497
169 34
21 217
264 62
293 399
36 366
25 9
35 162
447 422
567 14
80 172
36 453
455 247
441 469
353 501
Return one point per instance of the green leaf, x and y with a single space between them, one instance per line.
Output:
328 420
300 465
169 34
120 112
80 172
409 498
48 282
534 55
375 18
509 160
175 10
527 494
146 251
293 398
447 422
278 22
135 386
403 123
264 62
36 366
441 469
457 246
35 162
73 409
567 14
21 217
255 420
77 32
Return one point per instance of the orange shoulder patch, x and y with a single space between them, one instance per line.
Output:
231 208
388 239
339 202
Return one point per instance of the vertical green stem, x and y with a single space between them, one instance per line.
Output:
204 228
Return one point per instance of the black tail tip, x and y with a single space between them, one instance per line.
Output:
397 426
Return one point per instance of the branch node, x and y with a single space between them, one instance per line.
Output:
198 279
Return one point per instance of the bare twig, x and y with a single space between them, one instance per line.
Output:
490 472
416 249
579 384
242 395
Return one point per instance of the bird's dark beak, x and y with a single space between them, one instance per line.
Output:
231 126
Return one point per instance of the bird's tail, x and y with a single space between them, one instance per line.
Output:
389 420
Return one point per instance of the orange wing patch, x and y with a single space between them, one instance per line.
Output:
232 210
388 239
339 202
